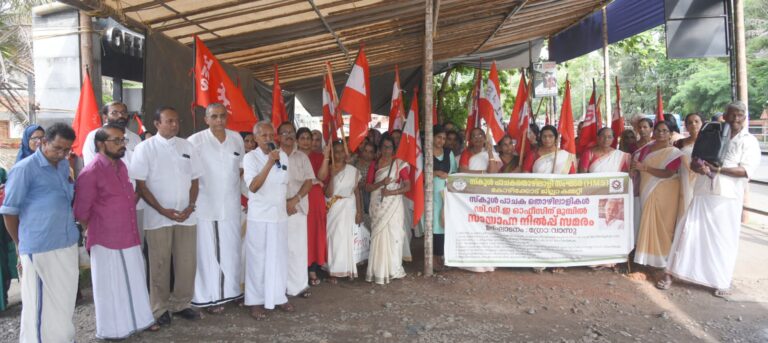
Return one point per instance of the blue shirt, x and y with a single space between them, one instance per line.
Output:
41 196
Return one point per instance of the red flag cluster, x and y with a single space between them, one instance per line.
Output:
332 120
410 151
396 107
520 119
212 84
490 105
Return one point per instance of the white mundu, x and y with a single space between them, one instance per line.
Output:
299 171
265 240
706 240
218 276
168 167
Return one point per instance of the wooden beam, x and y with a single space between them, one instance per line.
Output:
98 8
428 157
503 22
435 19
343 49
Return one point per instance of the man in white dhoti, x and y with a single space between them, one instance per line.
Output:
105 205
166 169
706 242
300 178
265 239
38 216
219 269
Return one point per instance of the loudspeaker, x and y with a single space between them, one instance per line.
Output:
696 28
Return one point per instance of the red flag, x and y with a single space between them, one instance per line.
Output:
434 112
139 124
565 125
617 120
332 120
523 146
490 105
588 133
472 117
87 115
520 110
279 115
410 151
213 85
356 100
396 108
598 113
659 105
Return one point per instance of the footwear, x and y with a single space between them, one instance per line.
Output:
215 309
306 294
287 307
664 283
154 328
722 293
165 319
258 313
189 314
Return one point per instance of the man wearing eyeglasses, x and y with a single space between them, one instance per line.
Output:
115 113
105 206
38 216
265 238
219 245
300 178
166 169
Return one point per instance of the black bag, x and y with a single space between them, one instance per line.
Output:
712 143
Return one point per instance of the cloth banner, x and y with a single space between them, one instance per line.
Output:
361 242
538 220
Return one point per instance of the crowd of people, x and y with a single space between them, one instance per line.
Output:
260 217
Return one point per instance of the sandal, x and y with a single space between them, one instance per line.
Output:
722 293
664 283
287 307
558 270
314 282
154 328
306 294
258 313
215 309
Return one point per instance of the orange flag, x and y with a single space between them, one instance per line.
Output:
617 120
87 115
396 107
212 84
139 124
565 125
659 105
588 133
279 115
410 151
490 105
356 100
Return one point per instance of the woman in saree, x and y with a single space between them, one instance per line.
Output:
444 163
602 158
628 141
644 131
510 161
657 164
548 159
345 209
316 216
479 157
388 180
693 124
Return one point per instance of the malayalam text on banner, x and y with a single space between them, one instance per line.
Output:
538 220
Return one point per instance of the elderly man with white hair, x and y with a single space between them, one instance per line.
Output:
706 240
218 278
265 240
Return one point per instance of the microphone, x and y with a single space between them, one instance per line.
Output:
273 147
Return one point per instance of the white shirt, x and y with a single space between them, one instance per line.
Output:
168 167
299 171
268 203
219 196
743 151
89 150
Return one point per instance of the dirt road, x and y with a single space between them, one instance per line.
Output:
509 305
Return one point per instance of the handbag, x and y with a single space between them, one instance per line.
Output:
712 143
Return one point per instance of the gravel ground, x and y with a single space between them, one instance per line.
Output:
509 305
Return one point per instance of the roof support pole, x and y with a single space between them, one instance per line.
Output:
506 19
332 32
606 71
428 156
741 52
